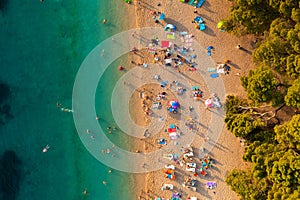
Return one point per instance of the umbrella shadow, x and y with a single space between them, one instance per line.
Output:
207 17
209 31
206 6
246 50
234 65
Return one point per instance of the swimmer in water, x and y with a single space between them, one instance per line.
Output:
85 192
104 21
104 182
46 148
66 110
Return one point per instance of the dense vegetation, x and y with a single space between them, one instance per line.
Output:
272 144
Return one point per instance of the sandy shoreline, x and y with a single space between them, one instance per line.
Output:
228 152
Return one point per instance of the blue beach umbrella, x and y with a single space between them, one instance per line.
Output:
162 16
198 19
195 88
172 126
202 27
174 104
210 48
170 27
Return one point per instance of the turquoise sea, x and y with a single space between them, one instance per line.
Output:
41 48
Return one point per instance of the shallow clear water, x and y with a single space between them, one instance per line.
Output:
42 46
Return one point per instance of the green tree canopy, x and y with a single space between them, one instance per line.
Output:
292 97
245 185
288 134
241 125
260 85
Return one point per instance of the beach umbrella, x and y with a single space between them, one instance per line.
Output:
170 27
198 19
220 23
164 83
172 126
208 103
195 88
162 16
210 48
202 27
174 104
175 196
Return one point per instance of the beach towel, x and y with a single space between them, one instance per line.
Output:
209 53
173 136
170 130
171 36
165 44
221 71
212 69
183 33
214 75
188 36
211 185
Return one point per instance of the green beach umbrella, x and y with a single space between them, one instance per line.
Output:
221 23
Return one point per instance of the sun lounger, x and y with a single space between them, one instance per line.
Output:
189 154
167 187
170 167
191 165
190 169
168 156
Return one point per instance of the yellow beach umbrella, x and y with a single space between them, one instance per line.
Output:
221 23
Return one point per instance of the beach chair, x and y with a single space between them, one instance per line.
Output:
167 187
170 167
